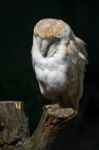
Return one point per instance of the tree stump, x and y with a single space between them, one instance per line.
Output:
13 125
52 132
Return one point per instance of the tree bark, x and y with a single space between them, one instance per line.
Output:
13 125
53 131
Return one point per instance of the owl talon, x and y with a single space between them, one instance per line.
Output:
46 107
54 106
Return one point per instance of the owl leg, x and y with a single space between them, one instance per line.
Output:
64 103
58 103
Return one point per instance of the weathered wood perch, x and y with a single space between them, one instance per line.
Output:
52 132
13 125
52 129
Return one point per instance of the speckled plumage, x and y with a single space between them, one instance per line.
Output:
59 59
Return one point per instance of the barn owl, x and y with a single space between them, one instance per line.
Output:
59 59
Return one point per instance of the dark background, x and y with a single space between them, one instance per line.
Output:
17 78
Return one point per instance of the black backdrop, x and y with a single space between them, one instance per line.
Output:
17 78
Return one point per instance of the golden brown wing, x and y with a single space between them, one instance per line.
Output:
78 59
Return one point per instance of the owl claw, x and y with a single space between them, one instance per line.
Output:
54 106
46 107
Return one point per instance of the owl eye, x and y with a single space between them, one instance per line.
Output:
46 43
54 41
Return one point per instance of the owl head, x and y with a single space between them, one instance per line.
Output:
48 33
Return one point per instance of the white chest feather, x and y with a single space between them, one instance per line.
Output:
51 71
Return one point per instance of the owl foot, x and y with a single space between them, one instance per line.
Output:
54 106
